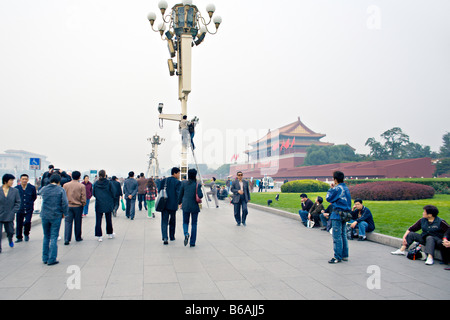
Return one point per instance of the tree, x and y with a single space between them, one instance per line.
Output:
443 166
318 155
445 148
377 150
396 140
396 146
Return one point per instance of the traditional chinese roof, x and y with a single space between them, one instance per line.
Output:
297 130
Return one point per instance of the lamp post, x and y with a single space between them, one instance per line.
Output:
182 28
153 165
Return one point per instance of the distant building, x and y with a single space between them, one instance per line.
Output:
281 148
17 162
281 154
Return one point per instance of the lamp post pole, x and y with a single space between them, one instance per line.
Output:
186 27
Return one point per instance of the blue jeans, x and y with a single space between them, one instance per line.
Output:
186 218
340 243
362 227
86 207
304 215
131 207
51 233
325 222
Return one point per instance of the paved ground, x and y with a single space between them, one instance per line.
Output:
272 258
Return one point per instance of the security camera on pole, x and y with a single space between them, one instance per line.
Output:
186 28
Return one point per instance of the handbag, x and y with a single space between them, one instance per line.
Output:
197 198
160 204
123 205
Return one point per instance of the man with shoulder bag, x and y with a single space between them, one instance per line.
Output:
169 205
339 197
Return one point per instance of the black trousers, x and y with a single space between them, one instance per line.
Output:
73 218
23 224
168 219
98 223
141 198
237 210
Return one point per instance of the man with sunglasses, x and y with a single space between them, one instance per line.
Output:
241 196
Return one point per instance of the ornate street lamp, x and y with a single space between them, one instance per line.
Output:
182 28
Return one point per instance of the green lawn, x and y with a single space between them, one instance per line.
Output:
391 217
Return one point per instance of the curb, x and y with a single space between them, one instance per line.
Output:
371 236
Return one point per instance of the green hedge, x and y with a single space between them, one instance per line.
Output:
440 185
303 186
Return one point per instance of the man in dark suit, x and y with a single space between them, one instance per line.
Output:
241 196
168 216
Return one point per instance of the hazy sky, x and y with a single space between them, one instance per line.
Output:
80 80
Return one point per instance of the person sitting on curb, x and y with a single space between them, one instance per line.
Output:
433 230
306 206
446 251
363 219
325 218
314 212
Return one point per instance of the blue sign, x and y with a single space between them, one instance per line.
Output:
35 164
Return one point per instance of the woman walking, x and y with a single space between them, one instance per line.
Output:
9 206
88 186
150 197
189 191
104 204
54 207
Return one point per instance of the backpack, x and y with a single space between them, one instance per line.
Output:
416 253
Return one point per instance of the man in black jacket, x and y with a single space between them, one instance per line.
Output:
104 204
27 195
306 206
168 216
117 191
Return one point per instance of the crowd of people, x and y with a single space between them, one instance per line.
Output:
66 196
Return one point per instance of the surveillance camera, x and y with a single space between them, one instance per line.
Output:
160 108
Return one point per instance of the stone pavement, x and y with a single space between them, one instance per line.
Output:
272 258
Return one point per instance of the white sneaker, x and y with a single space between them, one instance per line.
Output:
111 236
399 253
429 261
100 239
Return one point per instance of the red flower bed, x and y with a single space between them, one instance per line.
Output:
391 190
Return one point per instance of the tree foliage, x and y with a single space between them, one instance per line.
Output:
396 145
317 155
445 148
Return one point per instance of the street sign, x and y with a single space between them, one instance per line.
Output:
35 164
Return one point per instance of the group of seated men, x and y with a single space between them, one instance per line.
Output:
314 214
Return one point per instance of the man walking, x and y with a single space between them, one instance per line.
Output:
339 197
130 190
213 192
76 195
117 191
142 184
28 195
241 196
168 216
